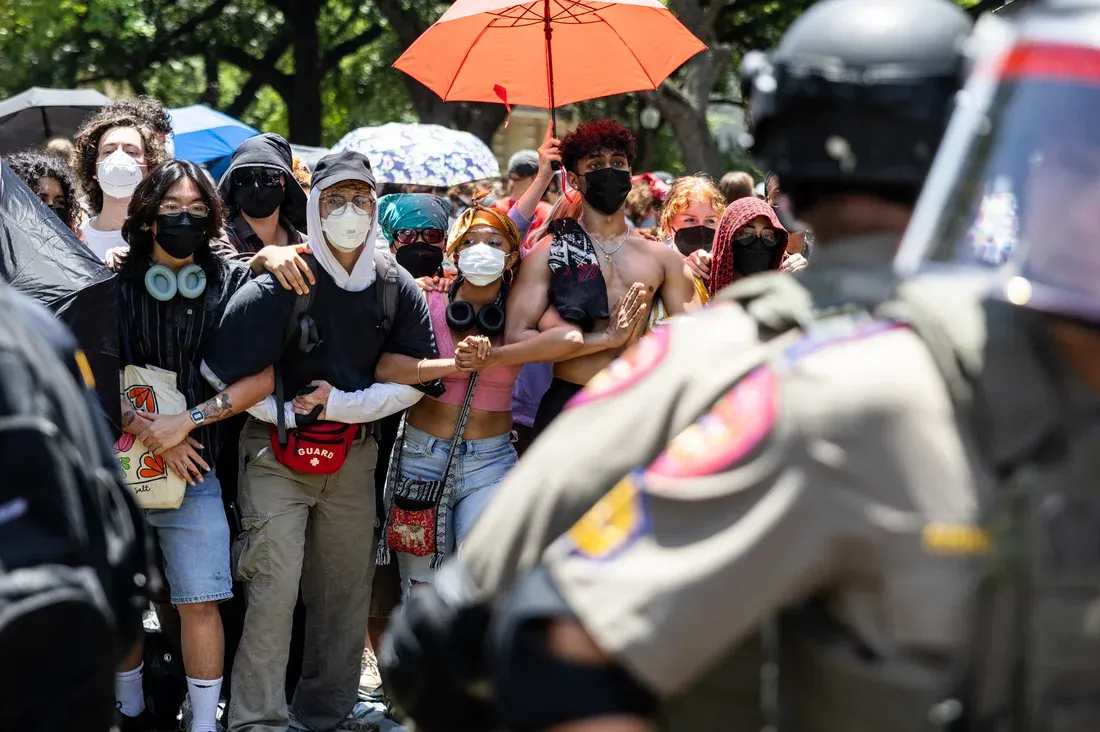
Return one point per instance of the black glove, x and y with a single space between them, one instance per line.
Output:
432 658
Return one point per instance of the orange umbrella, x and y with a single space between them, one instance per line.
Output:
548 52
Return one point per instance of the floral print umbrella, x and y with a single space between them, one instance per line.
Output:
426 155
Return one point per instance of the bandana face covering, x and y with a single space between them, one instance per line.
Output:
693 238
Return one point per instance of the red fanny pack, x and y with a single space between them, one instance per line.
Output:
319 449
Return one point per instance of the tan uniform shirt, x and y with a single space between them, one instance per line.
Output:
832 469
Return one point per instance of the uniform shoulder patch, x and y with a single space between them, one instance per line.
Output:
626 370
730 430
836 331
612 524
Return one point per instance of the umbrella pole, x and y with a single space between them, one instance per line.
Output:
549 32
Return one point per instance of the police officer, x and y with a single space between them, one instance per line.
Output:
794 492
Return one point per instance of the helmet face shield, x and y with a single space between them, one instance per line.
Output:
1020 197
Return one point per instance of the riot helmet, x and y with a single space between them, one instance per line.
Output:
1015 190
856 96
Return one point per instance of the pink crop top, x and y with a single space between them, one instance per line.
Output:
494 386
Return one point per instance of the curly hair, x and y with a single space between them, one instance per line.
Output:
31 166
144 207
86 146
591 138
149 110
684 192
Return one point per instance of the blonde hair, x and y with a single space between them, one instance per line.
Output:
684 192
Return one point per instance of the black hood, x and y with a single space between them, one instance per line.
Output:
267 151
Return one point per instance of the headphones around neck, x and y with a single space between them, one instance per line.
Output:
163 284
489 320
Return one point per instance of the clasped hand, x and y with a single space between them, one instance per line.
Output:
474 353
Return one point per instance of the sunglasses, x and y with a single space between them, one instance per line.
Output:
408 236
266 176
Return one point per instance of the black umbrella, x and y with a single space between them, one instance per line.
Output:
42 258
37 115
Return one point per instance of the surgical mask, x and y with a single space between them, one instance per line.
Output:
180 235
118 174
347 230
481 264
693 238
756 255
420 259
259 200
606 189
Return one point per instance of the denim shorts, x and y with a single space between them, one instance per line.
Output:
479 467
194 539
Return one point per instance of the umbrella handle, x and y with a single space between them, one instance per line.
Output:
549 33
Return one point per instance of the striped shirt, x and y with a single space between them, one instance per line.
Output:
174 335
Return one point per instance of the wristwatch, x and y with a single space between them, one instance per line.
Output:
198 417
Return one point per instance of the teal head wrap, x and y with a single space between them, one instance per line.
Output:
412 211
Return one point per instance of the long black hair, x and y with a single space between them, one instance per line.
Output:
31 166
143 210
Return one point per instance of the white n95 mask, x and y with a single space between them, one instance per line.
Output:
347 230
481 264
118 174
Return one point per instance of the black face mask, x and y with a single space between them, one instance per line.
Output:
606 189
258 200
756 255
180 235
421 259
62 213
693 238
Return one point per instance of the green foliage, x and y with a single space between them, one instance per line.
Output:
239 55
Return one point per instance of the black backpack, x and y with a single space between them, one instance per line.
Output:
74 554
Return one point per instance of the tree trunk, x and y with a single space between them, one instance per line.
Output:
697 144
304 104
211 96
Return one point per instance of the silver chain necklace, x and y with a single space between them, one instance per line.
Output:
607 254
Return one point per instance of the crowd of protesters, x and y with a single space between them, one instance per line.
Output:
363 364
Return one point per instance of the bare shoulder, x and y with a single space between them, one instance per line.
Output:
537 258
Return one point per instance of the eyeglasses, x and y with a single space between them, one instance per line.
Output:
767 235
336 203
266 176
408 236
171 208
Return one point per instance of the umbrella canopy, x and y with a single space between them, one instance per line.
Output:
497 50
426 155
42 258
37 115
202 134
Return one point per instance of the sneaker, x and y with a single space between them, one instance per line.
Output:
187 717
369 678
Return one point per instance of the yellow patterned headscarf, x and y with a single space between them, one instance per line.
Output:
478 215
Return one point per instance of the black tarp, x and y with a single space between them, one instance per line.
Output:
42 258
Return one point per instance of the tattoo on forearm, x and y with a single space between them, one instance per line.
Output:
128 418
218 407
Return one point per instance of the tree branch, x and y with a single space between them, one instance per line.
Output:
334 55
248 91
277 80
407 24
161 47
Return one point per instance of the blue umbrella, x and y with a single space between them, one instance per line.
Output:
201 134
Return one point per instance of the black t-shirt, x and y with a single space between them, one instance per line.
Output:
250 335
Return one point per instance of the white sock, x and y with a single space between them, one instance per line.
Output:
205 695
128 696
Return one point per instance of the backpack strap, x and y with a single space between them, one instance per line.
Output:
385 267
298 332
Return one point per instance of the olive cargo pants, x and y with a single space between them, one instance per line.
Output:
317 530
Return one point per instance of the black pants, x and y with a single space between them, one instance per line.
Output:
553 401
